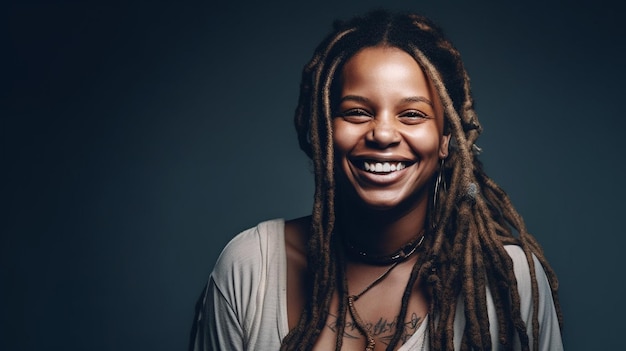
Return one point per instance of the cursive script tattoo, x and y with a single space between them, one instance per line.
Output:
383 329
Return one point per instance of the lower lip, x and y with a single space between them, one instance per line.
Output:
381 178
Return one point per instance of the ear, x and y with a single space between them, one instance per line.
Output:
443 146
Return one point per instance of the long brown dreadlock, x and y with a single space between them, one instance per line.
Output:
464 254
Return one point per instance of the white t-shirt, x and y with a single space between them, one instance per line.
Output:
244 306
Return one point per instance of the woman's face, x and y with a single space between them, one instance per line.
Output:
387 128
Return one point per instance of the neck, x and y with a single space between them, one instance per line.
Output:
381 232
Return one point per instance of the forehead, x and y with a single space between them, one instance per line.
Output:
384 67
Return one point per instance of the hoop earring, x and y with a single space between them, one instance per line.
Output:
440 182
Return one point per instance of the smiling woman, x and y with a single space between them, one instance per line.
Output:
386 119
410 246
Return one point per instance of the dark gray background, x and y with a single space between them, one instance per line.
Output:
136 140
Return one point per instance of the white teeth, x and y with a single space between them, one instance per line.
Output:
383 167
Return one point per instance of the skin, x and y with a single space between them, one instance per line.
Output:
388 111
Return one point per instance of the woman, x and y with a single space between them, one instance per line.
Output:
410 245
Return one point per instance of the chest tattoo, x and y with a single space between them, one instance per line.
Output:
382 329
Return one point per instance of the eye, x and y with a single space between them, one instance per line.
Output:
355 115
413 116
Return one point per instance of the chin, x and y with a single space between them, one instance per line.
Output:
384 203
387 201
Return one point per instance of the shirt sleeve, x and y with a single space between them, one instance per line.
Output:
216 326
228 308
549 330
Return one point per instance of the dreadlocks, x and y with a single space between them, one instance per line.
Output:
464 253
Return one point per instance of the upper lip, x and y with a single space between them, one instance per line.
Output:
382 158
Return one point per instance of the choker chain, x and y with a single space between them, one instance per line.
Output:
383 260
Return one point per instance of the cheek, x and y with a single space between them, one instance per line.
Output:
345 137
425 142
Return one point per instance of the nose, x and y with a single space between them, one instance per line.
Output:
384 133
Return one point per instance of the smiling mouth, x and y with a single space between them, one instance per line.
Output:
382 167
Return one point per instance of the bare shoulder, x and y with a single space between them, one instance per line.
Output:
296 237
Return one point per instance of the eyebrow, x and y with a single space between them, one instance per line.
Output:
418 99
404 100
354 98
